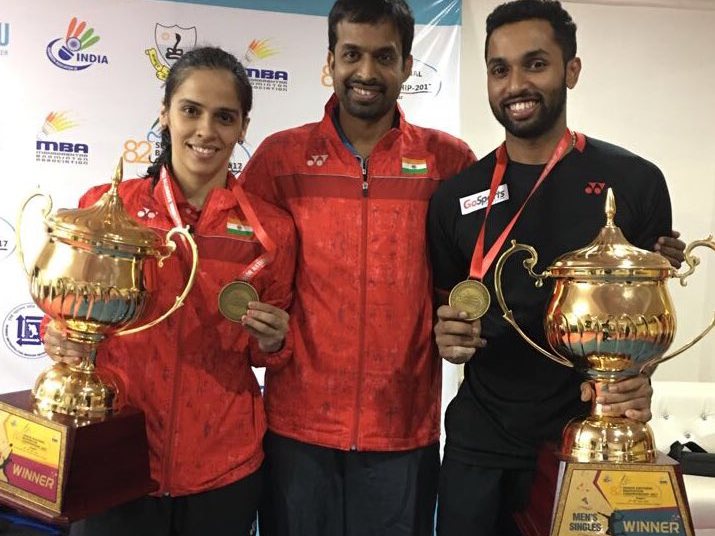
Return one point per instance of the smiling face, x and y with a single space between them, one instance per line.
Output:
205 121
527 78
368 69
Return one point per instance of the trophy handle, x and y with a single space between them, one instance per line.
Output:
692 261
529 264
170 248
20 216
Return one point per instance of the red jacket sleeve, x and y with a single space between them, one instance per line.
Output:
279 292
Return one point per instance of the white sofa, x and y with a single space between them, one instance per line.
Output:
685 411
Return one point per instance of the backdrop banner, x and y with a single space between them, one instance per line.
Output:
81 83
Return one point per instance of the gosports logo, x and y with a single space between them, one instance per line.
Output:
7 239
21 331
268 79
171 43
68 52
59 152
478 201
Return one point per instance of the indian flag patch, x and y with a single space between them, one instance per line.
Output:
414 166
235 227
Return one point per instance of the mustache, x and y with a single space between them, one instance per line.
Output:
521 96
371 83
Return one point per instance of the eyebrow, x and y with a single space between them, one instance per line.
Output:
194 103
529 55
381 50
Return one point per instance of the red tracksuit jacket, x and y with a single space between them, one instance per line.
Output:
365 374
191 374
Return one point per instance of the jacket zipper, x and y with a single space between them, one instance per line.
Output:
363 306
169 447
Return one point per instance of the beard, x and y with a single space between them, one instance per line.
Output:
550 108
366 111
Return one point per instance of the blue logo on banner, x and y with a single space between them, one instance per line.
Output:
68 52
4 34
21 331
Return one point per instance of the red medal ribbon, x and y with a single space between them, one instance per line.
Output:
244 204
481 263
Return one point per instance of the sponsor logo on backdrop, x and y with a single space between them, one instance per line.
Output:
4 38
7 239
72 51
145 152
239 158
21 331
171 43
261 77
424 80
53 146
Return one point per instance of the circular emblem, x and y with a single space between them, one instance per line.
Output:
233 299
7 239
21 331
472 297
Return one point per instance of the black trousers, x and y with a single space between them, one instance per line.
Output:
230 510
480 501
318 491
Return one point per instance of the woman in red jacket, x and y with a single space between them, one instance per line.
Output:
191 374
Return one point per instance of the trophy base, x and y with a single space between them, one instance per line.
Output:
83 392
59 472
603 438
570 498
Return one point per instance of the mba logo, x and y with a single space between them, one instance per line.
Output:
21 331
51 151
68 52
4 38
262 78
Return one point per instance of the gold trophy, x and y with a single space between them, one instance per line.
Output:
610 316
75 449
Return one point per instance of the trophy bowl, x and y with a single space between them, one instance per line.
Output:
89 279
610 316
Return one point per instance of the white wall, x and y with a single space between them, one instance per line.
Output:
647 84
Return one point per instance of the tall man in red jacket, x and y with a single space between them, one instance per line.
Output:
354 417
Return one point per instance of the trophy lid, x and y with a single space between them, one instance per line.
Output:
105 226
611 257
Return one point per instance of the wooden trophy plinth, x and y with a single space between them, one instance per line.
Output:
579 499
60 472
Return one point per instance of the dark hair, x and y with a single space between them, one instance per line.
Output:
549 10
372 12
200 58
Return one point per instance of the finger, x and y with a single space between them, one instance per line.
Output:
445 312
636 404
259 324
628 385
457 354
586 392
266 307
270 319
675 234
456 327
468 340
644 415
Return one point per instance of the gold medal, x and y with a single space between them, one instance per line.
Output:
472 297
233 299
